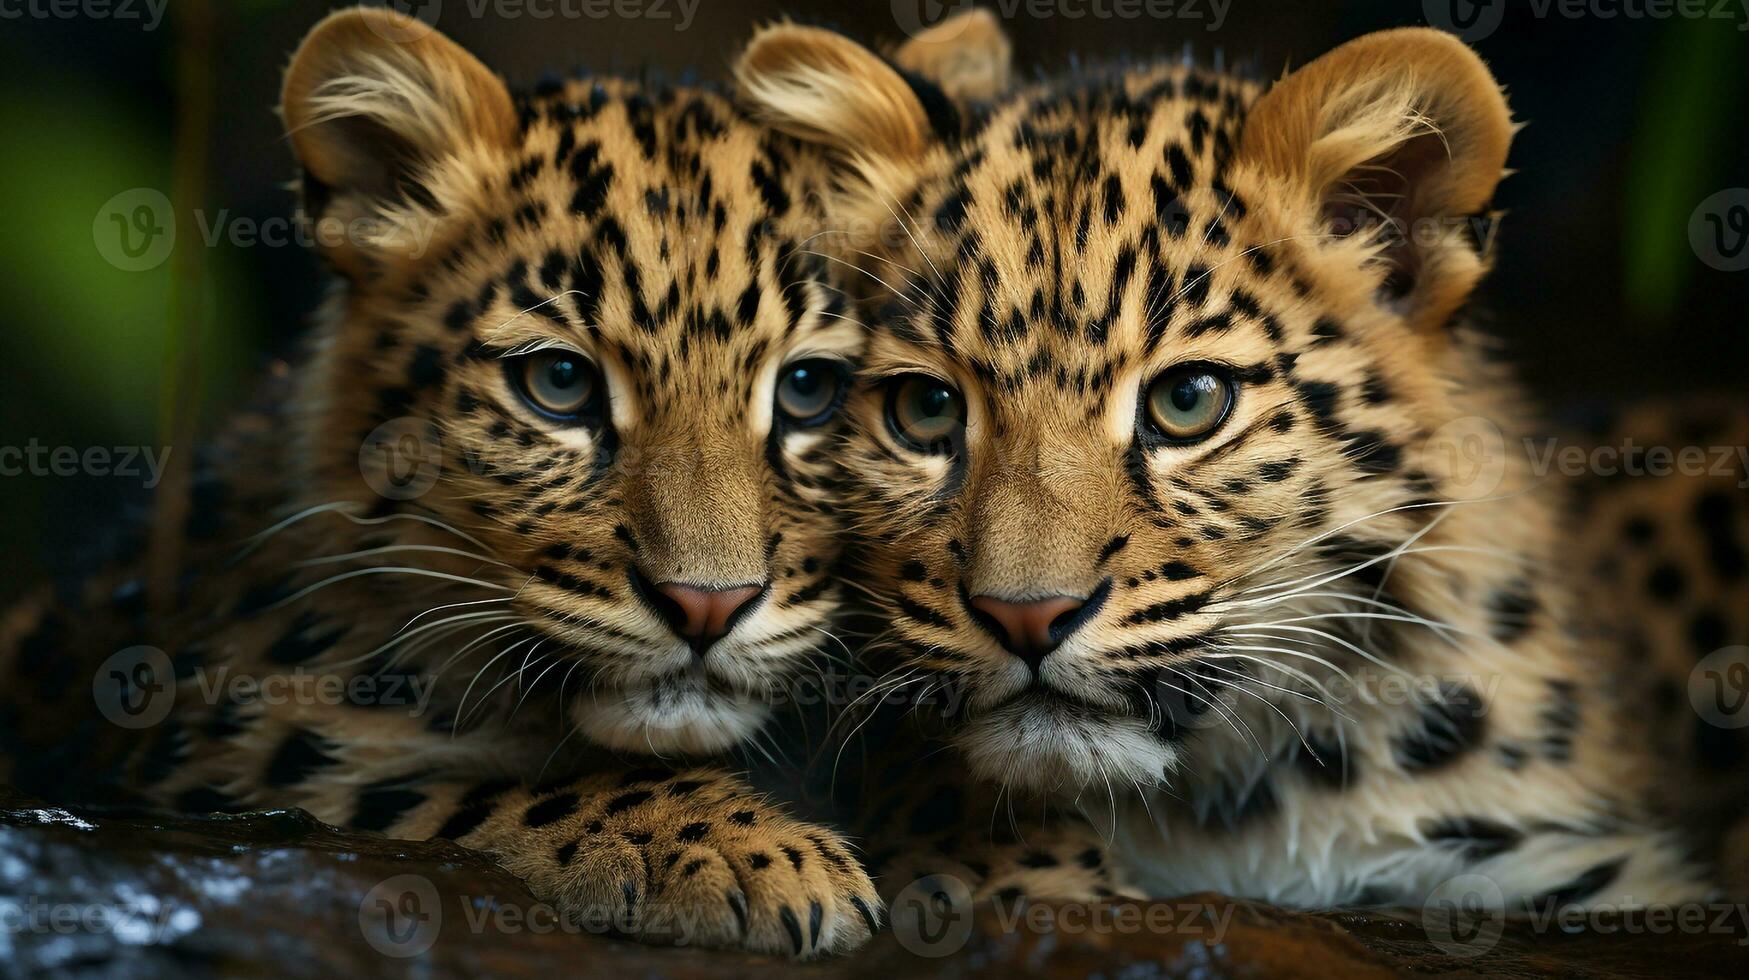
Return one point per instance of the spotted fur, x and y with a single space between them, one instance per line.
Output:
483 659
1221 702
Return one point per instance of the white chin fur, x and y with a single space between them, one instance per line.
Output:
1048 746
686 719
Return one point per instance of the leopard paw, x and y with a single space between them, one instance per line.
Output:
706 863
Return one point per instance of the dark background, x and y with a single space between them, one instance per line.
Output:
1633 122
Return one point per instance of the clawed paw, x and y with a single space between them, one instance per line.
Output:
712 866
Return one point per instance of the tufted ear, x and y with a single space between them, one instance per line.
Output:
967 55
825 88
1403 134
372 100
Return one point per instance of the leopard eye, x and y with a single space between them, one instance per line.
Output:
925 413
560 384
1188 403
808 392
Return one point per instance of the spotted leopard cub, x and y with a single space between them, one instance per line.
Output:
1166 459
596 381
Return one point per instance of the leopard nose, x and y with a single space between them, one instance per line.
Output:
702 615
1033 628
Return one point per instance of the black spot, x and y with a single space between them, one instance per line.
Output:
302 641
1112 547
1511 610
379 808
464 820
744 818
1583 887
1038 859
566 852
693 832
913 571
551 810
1476 838
426 367
1447 729
1666 583
1327 762
300 755
1707 631
204 799
625 801
1177 571
1640 529
1371 452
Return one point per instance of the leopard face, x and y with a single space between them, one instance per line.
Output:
592 310
1146 395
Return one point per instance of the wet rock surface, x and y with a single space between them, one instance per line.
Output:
106 893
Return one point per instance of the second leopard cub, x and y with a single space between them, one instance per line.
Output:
1166 456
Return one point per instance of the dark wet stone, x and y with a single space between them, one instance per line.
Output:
281 894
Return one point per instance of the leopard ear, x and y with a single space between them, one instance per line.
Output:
825 88
967 56
1401 135
373 103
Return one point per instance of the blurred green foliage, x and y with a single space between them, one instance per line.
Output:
1679 140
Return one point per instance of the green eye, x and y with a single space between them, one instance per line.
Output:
926 413
808 391
1189 403
560 384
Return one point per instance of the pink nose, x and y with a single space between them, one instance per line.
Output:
1031 629
703 616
